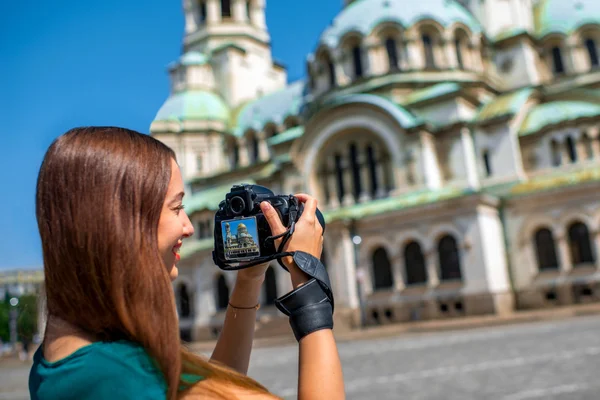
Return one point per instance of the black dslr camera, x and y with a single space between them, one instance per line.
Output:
242 233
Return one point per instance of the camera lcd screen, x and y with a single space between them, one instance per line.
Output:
240 239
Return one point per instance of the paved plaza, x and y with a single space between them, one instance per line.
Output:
543 360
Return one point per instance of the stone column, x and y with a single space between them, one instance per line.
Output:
243 152
192 19
343 266
380 175
415 57
431 262
348 198
447 44
258 14
365 177
238 10
429 162
213 12
564 254
470 161
334 202
263 148
399 270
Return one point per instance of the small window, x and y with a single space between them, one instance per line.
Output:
199 164
249 10
571 149
331 70
203 11
392 51
592 50
557 61
428 50
226 8
459 57
357 59
487 163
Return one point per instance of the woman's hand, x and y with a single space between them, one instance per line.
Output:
307 237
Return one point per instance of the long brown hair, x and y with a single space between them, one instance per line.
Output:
100 193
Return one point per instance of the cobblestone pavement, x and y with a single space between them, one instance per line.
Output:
543 360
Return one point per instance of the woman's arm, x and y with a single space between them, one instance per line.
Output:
320 370
235 342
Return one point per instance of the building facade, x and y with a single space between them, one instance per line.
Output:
453 146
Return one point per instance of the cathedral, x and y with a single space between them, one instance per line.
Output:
453 146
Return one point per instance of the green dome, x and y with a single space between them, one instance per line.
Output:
556 112
565 16
364 15
194 105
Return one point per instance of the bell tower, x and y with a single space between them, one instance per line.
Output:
210 24
233 35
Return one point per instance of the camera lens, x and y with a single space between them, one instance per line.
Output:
237 205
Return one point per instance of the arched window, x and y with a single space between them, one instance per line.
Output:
183 303
571 149
234 155
580 244
331 70
339 174
556 153
382 270
270 286
449 259
253 148
202 10
249 10
592 49
459 55
355 171
222 292
545 249
226 8
428 51
357 61
416 272
392 52
557 61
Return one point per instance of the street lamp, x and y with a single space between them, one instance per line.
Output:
13 314
356 241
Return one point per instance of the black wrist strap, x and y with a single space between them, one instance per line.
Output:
310 306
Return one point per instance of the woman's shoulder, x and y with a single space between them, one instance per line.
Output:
103 370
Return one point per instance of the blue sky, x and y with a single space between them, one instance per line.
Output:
69 63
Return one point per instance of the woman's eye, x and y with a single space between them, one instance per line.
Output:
179 208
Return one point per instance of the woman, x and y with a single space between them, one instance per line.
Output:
111 220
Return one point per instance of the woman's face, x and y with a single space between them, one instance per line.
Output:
174 224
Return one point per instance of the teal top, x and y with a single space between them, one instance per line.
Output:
101 370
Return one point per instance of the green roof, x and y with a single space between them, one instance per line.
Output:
431 92
564 16
274 107
193 105
509 33
290 134
396 203
555 180
364 15
504 105
556 112
404 117
190 58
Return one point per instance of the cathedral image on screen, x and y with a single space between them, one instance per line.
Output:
240 239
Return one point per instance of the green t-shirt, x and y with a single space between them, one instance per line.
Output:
101 370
